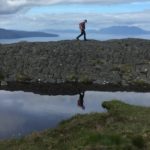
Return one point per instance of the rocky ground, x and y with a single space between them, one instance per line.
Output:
118 62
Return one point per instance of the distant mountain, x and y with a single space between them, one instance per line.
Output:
13 34
124 30
68 30
60 31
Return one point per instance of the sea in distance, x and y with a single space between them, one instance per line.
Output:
72 36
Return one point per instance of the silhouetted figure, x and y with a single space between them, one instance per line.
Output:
82 29
81 100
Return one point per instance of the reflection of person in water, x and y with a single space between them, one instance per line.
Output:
81 100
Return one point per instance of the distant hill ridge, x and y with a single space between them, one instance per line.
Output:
113 30
124 30
12 34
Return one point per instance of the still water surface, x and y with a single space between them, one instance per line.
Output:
23 112
72 36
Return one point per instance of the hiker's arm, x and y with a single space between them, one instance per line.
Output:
83 93
81 27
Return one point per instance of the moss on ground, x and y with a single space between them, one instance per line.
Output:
84 79
123 68
97 62
72 78
81 79
1 76
140 82
123 127
21 77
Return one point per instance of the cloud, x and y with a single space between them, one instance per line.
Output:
71 20
67 20
12 6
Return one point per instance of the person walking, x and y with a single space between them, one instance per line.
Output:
82 29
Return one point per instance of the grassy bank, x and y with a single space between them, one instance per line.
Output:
123 127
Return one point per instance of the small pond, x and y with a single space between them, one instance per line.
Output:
24 112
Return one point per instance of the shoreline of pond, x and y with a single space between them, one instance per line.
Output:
70 88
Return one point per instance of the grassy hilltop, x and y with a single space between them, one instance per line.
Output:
123 127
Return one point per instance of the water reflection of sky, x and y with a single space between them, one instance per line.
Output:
21 113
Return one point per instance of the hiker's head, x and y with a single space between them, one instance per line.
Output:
85 21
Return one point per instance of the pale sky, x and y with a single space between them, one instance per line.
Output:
66 14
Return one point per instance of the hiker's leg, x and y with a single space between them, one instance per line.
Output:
84 35
80 34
